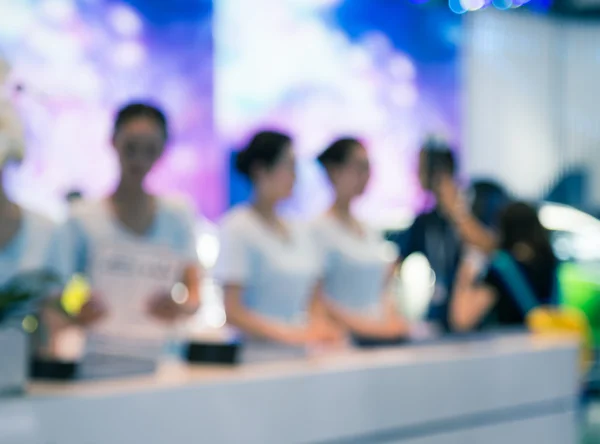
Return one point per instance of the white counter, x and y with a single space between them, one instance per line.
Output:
505 390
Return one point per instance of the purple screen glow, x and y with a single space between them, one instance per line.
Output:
386 72
79 61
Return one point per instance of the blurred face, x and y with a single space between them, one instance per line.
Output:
139 143
351 178
277 182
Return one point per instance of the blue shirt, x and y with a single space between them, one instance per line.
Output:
277 275
356 266
32 248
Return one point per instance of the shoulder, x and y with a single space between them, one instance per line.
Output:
237 217
87 218
38 223
372 233
177 215
38 219
88 210
322 225
238 221
176 207
302 229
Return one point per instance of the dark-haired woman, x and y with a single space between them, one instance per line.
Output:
358 263
133 236
488 199
525 255
268 266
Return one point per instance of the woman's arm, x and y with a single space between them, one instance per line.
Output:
389 325
472 232
469 228
386 328
192 279
257 325
320 320
470 305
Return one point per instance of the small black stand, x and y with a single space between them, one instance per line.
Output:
212 353
53 370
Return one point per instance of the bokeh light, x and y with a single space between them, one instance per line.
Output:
30 324
457 6
502 4
180 293
125 21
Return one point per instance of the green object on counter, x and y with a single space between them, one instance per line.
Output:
581 289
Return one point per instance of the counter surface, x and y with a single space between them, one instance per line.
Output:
516 389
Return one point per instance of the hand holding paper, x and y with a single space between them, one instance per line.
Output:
93 311
163 308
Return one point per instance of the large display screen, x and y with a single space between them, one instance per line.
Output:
384 71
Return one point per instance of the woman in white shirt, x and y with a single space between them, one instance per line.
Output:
358 263
268 266
129 228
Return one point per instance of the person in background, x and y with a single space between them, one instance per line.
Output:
488 199
26 239
25 236
268 266
440 234
132 216
526 244
358 263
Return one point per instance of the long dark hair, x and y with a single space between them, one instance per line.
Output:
265 149
520 224
489 199
338 152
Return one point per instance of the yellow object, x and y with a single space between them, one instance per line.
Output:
75 295
555 321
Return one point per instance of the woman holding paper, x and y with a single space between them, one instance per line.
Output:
358 263
268 266
138 250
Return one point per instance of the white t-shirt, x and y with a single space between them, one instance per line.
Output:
277 275
127 269
355 266
30 249
93 224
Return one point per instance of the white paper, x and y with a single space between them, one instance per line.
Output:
127 276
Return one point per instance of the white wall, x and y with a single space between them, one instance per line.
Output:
532 94
581 98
